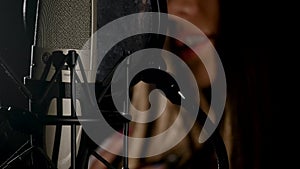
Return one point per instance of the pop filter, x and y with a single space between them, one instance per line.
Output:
110 11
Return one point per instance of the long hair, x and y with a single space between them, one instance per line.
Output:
245 61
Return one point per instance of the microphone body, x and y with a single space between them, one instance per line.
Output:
63 27
60 27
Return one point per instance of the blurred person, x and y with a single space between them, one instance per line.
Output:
237 128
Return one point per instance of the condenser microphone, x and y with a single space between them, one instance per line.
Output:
61 29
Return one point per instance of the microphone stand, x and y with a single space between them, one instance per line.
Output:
39 120
20 152
73 120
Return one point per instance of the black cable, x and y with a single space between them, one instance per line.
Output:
220 149
217 142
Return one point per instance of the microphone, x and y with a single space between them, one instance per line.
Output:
61 30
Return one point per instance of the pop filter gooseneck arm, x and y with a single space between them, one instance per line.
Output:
164 81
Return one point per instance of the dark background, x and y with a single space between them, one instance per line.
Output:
15 52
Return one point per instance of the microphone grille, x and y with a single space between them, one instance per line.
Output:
64 23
